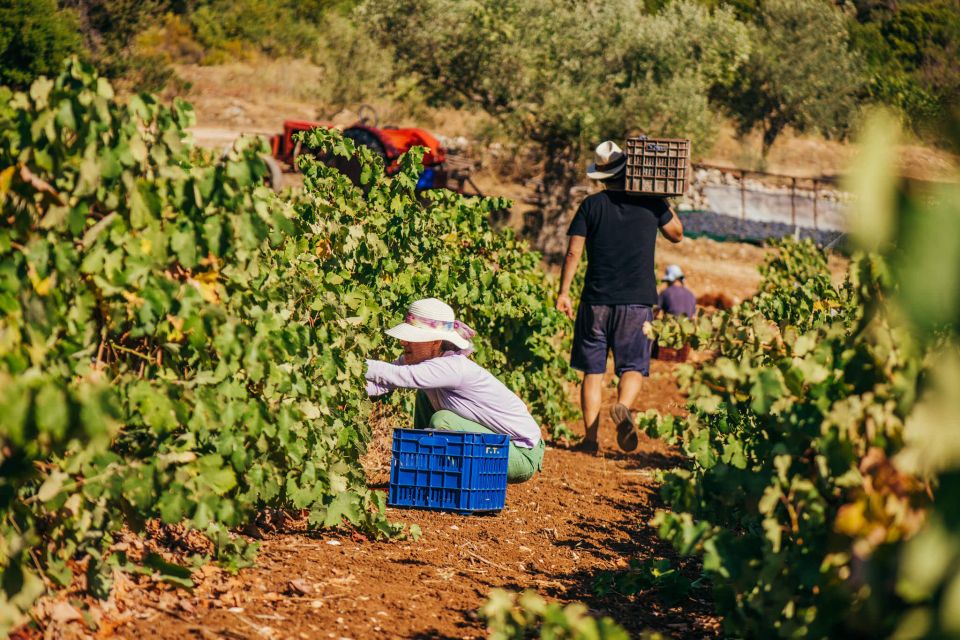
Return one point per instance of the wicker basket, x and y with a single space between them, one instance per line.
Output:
658 166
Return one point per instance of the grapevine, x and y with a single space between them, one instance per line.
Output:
792 498
180 345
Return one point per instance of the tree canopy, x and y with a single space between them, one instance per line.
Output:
801 72
35 37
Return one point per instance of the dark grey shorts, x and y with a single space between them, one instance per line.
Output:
619 327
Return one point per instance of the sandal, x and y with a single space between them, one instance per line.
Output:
627 438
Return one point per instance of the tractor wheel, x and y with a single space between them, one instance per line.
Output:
362 137
274 174
274 177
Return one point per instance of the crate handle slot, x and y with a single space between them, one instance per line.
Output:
432 442
659 148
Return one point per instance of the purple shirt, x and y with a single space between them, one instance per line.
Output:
456 383
678 300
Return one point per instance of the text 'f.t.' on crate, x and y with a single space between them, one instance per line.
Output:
658 166
448 470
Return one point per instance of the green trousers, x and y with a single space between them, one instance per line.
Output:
522 463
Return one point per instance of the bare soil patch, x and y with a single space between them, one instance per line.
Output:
583 514
729 268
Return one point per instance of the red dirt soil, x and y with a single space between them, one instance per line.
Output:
582 515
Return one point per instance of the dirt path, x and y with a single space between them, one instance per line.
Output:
582 515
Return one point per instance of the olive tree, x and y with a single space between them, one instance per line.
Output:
566 74
35 38
801 73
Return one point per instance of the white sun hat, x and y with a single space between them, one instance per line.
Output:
609 160
673 273
431 319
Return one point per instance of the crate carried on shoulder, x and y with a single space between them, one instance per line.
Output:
658 166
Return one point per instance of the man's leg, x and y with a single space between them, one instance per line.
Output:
589 355
629 388
631 355
521 465
591 397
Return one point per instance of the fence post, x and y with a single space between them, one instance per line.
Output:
816 185
793 202
743 202
743 195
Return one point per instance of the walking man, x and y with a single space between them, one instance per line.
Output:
619 231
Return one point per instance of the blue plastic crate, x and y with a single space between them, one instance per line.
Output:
448 470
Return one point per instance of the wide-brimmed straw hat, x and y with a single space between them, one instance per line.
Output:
674 272
431 319
609 160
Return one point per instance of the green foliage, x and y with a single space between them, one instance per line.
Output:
915 230
654 576
317 10
825 425
537 66
35 38
178 344
148 325
670 73
512 617
229 26
790 436
542 71
796 289
111 29
140 41
800 74
113 24
442 246
356 67
911 50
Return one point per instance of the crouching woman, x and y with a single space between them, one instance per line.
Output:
454 392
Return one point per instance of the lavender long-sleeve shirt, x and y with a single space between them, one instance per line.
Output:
456 383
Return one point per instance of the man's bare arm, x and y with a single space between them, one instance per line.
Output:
673 230
570 262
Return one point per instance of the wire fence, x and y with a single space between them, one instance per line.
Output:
755 205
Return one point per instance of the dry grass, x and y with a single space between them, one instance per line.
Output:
259 94
255 96
811 155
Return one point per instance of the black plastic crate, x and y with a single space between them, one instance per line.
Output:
658 166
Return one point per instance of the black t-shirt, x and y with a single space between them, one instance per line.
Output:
621 232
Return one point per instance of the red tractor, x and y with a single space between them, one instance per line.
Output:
439 170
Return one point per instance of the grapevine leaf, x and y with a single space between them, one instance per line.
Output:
767 388
169 571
